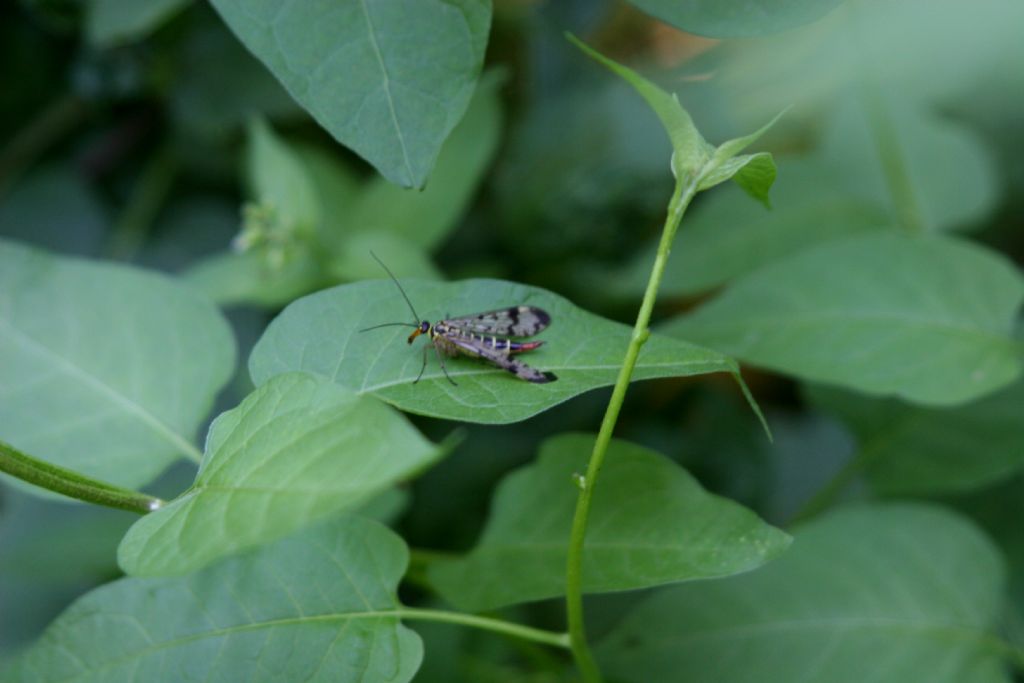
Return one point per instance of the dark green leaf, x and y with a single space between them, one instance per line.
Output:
736 18
888 594
916 450
388 79
927 319
107 370
651 523
320 334
314 607
297 449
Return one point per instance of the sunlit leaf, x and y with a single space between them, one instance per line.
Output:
105 369
297 449
886 593
651 523
318 606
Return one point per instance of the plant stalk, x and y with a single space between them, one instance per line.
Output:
684 192
72 484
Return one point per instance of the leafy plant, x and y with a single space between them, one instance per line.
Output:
185 251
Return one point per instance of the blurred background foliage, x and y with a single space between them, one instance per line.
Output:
144 132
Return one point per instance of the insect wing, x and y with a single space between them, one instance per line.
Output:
515 321
502 360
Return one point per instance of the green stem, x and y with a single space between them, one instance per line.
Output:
73 484
144 205
507 628
681 197
894 165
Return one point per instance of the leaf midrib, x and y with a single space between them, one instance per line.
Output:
156 424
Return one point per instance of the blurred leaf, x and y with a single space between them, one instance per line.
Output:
331 588
321 334
296 450
279 179
389 80
726 237
73 225
107 370
425 217
337 187
404 257
387 506
952 175
651 523
853 312
885 593
915 450
109 22
231 278
736 18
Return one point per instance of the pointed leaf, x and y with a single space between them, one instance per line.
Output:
296 449
887 594
105 369
690 151
651 523
278 178
754 173
916 450
319 606
389 79
320 334
925 319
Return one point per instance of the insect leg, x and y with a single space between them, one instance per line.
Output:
423 367
440 360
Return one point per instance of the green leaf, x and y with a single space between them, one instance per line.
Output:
404 257
736 18
914 450
297 449
951 173
330 589
230 277
726 237
754 173
888 594
926 319
651 524
690 151
279 180
388 79
424 218
320 334
107 370
110 22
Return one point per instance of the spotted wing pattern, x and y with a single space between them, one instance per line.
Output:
502 359
515 321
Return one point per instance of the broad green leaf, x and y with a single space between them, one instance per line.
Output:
425 217
109 22
231 277
651 523
389 79
320 334
886 594
279 180
926 319
724 236
297 449
690 150
952 175
318 606
917 450
736 18
105 369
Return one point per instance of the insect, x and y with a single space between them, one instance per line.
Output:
484 336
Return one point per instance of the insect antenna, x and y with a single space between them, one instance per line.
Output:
415 316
